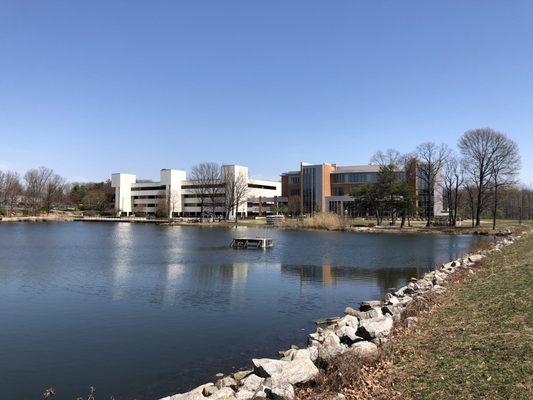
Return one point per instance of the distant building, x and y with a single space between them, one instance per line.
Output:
327 187
175 193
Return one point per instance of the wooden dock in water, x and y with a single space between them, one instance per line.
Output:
251 243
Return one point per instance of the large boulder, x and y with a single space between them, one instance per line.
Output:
347 334
369 304
348 320
252 382
240 375
227 381
280 389
226 393
299 370
391 299
475 258
375 328
364 349
330 348
266 367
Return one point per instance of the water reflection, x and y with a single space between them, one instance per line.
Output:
121 241
109 299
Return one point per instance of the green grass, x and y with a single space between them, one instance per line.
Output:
477 344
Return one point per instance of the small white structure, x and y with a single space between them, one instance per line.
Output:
175 193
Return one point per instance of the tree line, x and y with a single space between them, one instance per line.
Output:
477 180
41 190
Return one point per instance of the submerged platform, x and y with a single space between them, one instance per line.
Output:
251 243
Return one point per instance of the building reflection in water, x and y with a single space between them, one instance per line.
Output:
121 258
327 275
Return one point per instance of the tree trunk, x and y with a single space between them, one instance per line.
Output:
495 209
456 199
428 209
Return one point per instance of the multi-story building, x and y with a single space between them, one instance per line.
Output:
174 193
327 187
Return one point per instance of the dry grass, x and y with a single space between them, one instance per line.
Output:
472 342
325 221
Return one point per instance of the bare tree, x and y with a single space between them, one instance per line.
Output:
480 150
12 190
236 192
452 179
206 187
53 191
504 169
431 158
36 181
241 193
389 158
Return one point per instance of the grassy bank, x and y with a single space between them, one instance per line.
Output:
334 222
474 342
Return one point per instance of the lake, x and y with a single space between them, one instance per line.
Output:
141 311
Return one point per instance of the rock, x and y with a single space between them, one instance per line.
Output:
405 290
266 367
347 334
195 394
375 328
364 349
350 311
391 299
370 313
299 370
475 258
330 348
280 389
411 321
348 320
313 350
299 354
439 289
252 382
240 375
244 394
226 393
406 300
227 381
392 309
369 304
185 396
209 390
316 336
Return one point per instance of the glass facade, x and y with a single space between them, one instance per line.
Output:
309 194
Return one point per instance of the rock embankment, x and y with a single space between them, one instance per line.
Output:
360 331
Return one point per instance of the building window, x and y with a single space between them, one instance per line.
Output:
294 180
294 192
338 191
256 186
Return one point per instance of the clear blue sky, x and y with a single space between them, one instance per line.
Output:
95 87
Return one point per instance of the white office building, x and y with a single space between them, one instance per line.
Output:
181 196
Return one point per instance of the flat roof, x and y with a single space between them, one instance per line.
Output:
356 168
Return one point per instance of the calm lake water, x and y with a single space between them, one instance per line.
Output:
142 311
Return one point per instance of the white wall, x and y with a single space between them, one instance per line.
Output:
122 184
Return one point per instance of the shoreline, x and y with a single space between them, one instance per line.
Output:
503 230
361 332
